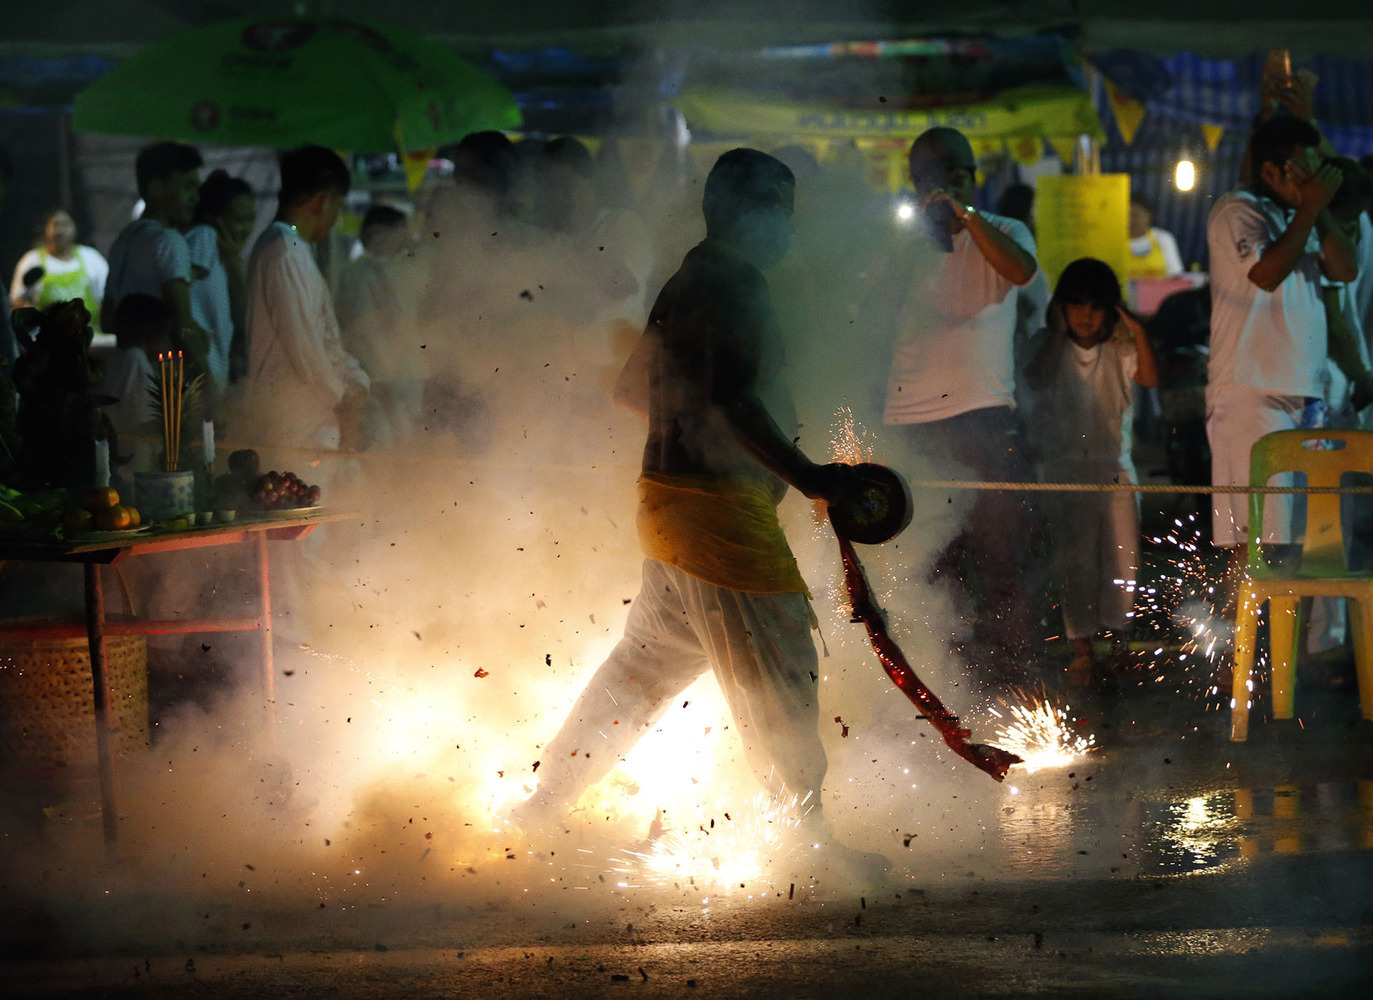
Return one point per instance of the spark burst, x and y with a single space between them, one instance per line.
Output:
1040 732
852 444
725 853
850 441
1182 608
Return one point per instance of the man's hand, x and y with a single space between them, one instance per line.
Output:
940 196
1318 186
828 482
1296 95
1132 324
230 249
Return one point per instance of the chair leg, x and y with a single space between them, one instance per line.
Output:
1361 625
1284 614
1246 629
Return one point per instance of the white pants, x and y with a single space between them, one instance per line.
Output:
1236 417
760 648
1095 538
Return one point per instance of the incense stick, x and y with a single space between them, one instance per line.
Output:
166 424
180 401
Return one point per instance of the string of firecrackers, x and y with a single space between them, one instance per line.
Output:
970 484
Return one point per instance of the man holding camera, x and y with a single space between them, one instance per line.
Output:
952 386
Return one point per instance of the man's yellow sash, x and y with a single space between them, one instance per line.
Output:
720 529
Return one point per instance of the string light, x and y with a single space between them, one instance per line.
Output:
1185 175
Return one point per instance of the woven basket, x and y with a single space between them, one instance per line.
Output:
47 701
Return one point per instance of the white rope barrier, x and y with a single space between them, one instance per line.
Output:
963 484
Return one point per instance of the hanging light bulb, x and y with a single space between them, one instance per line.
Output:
1185 175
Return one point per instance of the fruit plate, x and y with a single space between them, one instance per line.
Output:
282 513
107 536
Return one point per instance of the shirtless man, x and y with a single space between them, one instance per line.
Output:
721 589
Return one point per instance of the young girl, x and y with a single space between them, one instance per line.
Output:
1089 354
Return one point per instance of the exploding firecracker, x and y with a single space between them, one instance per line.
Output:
1041 733
734 850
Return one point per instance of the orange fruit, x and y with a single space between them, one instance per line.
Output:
114 518
101 498
135 516
79 520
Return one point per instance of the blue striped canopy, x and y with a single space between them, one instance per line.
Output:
1184 91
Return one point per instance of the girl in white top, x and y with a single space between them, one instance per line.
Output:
1081 374
60 269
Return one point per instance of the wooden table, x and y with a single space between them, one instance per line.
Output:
94 554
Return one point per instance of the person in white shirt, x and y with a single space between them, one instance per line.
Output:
150 256
59 269
304 390
1269 246
224 218
1091 357
375 319
952 386
1153 252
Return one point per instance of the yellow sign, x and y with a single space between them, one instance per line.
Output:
1081 216
1019 113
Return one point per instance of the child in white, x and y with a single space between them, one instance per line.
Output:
1081 374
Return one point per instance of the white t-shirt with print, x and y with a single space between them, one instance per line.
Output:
954 350
1273 341
85 257
210 299
145 256
1362 287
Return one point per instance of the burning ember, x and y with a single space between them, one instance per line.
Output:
850 441
1041 734
729 851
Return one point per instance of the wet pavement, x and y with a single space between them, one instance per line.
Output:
1168 862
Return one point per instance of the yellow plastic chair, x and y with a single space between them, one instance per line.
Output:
1324 570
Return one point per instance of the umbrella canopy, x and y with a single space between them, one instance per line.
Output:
353 86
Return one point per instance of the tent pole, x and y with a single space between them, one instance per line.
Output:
64 159
1088 148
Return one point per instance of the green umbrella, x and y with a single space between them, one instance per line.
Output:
352 86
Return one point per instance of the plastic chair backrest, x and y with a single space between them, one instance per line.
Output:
1286 451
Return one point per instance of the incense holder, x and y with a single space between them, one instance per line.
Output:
162 495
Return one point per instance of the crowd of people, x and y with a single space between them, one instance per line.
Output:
990 375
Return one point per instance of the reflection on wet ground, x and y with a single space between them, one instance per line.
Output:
1165 862
1156 832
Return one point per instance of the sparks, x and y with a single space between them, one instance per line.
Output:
1041 733
850 441
731 850
852 444
1183 609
